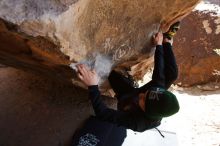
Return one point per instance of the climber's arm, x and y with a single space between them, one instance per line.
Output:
103 112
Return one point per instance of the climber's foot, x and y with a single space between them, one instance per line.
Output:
172 30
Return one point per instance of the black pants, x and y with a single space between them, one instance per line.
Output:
164 74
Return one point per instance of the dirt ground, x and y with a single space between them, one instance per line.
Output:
36 111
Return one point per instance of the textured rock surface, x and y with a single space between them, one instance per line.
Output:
34 54
197 46
101 33
37 111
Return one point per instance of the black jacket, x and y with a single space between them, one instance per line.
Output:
134 119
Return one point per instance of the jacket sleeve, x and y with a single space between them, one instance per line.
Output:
103 112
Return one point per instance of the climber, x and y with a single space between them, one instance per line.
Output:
141 108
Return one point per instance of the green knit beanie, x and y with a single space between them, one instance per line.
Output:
159 104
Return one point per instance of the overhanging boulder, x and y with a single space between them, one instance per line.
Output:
46 36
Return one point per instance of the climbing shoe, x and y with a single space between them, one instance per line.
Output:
172 30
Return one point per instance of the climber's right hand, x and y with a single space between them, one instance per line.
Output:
87 76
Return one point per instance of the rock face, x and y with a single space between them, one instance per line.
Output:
197 46
46 36
35 54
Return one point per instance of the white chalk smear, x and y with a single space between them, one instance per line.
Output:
100 62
